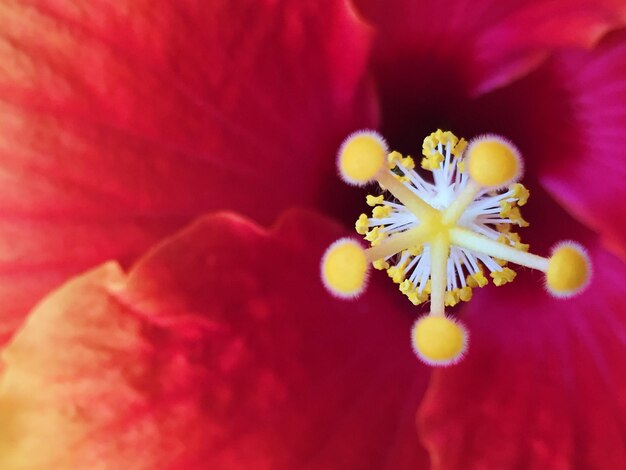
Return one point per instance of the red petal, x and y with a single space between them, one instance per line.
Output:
483 45
544 382
122 121
220 349
590 180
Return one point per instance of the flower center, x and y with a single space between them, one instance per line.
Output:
439 238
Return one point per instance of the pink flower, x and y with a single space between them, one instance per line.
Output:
123 122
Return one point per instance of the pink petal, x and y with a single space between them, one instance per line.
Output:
122 121
590 181
569 120
544 382
219 349
479 46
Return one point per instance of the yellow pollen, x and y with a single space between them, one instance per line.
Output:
408 162
568 270
459 148
393 158
521 193
380 212
477 280
362 224
375 236
492 162
503 277
344 268
465 294
380 264
437 340
442 234
361 157
452 298
432 162
374 200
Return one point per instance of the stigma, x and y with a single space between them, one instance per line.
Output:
442 232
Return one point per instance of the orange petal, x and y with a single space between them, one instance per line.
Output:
220 349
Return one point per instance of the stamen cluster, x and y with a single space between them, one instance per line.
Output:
492 214
440 237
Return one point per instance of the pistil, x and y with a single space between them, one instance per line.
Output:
398 243
437 239
439 250
402 193
464 238
454 211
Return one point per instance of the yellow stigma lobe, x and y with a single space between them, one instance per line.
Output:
437 340
344 268
361 157
568 270
493 162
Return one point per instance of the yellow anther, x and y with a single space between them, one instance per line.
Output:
375 236
477 279
374 200
506 207
402 178
362 224
459 148
406 286
520 193
521 246
417 299
416 250
513 239
460 164
344 268
361 157
372 235
429 145
393 158
568 271
447 137
398 277
408 162
437 340
503 228
516 242
432 162
381 236
396 273
380 212
380 264
516 217
452 298
465 294
510 211
503 277
493 162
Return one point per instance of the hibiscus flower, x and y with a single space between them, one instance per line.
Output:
215 345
